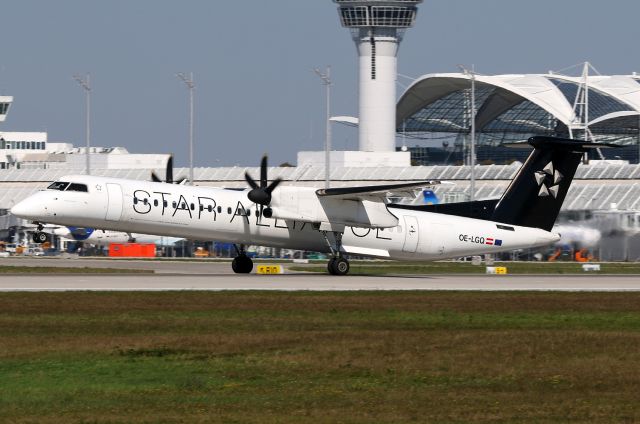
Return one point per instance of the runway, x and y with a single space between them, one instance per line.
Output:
217 276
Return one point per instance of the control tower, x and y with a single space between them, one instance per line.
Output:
377 27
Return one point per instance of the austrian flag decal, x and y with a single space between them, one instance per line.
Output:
493 242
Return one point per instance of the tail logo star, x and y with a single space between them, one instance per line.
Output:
548 180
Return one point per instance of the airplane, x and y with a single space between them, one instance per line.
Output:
340 221
100 237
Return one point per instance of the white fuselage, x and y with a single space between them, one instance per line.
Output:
204 213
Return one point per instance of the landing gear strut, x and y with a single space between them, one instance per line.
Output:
242 264
338 265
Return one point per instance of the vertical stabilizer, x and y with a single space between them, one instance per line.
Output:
536 194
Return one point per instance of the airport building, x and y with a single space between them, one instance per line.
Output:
434 114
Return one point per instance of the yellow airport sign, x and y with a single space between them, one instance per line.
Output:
500 270
269 269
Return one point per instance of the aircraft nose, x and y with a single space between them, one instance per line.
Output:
26 209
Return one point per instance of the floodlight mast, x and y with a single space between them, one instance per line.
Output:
377 28
188 81
85 83
326 81
472 118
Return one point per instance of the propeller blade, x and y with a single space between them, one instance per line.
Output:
155 178
170 170
263 172
275 183
250 180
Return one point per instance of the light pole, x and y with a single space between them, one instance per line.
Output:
472 154
326 80
86 86
191 86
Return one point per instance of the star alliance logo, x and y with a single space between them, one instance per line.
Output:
548 180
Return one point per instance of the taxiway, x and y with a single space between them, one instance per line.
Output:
217 276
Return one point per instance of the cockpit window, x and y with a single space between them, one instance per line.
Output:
77 187
58 185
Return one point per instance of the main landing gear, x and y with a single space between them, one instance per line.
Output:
39 237
242 264
338 265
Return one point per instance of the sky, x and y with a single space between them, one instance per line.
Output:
253 64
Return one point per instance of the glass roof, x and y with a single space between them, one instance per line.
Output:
450 113
600 104
448 117
525 117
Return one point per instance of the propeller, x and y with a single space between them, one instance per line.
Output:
261 193
169 174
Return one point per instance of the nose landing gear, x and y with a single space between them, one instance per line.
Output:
242 264
39 237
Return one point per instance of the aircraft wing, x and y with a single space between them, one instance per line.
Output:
380 192
364 207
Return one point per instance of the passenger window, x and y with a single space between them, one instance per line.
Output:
78 187
174 205
165 203
145 201
201 208
58 185
210 208
155 202
219 209
193 207
135 200
229 211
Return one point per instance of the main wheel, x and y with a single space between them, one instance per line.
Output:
242 264
331 266
338 266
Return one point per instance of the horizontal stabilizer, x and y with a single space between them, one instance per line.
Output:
561 143
379 191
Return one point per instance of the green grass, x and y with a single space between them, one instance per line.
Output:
68 270
381 268
320 357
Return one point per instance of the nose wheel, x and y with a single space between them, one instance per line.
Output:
39 237
242 264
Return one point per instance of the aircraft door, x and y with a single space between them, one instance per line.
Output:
411 234
114 203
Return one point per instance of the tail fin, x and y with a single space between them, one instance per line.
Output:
535 196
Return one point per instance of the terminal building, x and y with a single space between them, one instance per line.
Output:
434 114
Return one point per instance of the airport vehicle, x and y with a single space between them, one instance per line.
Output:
342 221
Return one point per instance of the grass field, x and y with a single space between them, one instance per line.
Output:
14 269
442 357
451 267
